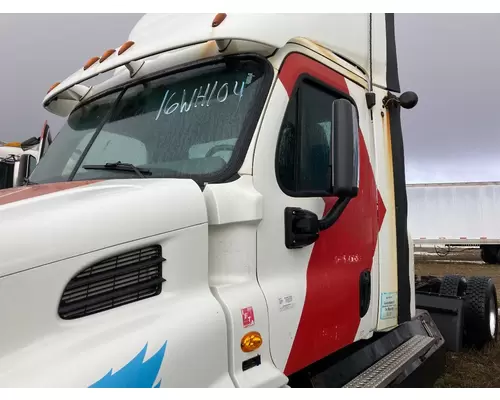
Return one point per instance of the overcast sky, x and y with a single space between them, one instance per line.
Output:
451 60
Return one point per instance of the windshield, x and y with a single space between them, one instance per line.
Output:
196 123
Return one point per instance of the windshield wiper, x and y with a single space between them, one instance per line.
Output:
119 166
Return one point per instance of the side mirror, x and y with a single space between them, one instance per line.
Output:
22 169
302 227
345 149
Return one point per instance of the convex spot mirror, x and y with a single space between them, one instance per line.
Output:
345 149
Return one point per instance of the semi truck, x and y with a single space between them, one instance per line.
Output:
18 159
229 209
459 214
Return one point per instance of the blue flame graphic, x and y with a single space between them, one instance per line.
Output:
136 374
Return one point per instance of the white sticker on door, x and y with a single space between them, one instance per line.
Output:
286 302
388 305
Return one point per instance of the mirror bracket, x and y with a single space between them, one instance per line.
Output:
301 228
335 212
370 100
407 100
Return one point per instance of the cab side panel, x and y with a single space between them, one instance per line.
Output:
321 281
330 316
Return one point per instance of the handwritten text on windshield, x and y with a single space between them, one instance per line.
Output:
204 96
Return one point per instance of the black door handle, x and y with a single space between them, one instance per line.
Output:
364 292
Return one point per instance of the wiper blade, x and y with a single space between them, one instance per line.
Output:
119 166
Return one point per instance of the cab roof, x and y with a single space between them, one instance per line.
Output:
347 35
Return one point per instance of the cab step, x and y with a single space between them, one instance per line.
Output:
410 355
389 367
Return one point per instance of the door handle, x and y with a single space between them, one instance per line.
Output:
364 292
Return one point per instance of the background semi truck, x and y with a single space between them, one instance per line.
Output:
229 210
10 154
456 214
18 159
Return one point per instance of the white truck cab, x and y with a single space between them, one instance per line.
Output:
227 210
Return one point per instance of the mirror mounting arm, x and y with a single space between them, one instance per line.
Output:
302 227
334 213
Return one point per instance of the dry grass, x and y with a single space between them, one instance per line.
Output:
470 368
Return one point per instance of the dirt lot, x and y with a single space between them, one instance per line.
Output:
472 368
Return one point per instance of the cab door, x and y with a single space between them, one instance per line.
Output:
320 297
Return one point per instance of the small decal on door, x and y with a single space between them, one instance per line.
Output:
248 316
388 305
286 302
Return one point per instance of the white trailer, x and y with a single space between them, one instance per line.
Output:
456 214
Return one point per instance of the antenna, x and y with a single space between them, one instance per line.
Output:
370 51
370 96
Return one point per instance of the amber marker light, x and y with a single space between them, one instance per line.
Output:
53 87
251 341
106 55
125 47
219 18
12 144
90 62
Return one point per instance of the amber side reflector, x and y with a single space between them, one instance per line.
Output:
251 341
106 55
125 47
53 87
90 62
218 19
12 144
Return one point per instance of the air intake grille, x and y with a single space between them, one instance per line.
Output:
114 282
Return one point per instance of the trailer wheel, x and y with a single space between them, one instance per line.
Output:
453 285
481 311
489 256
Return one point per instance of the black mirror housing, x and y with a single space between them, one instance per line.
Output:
345 149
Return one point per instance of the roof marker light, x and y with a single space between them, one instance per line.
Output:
90 62
219 18
125 47
106 55
53 87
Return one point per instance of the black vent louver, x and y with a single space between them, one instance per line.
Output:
114 282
